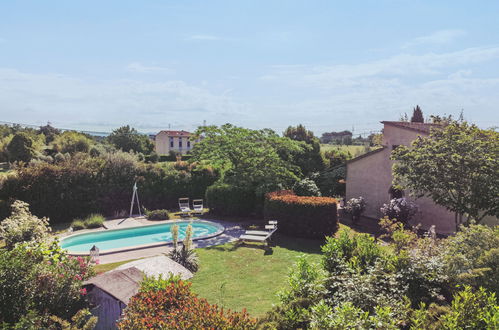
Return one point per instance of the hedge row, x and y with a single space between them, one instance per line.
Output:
224 199
83 185
301 216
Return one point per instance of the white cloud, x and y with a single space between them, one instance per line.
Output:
67 101
141 68
436 38
204 37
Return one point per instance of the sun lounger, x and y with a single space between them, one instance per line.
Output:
197 205
256 232
183 204
257 238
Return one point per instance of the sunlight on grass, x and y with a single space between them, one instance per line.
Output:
249 276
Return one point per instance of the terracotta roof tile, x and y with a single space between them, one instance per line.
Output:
420 127
176 133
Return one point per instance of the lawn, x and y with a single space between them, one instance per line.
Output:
249 276
354 150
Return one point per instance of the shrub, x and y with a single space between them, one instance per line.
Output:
22 226
176 307
186 256
158 215
71 142
306 187
400 209
313 217
20 148
94 221
78 224
41 278
225 199
355 207
332 181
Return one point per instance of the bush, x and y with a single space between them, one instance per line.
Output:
22 226
225 199
176 307
306 187
313 217
94 221
158 215
400 209
332 181
355 207
41 278
186 256
20 148
78 224
78 185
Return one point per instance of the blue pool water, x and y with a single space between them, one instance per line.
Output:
130 237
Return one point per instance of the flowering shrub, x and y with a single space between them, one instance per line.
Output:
303 216
306 187
42 278
400 209
174 306
22 226
355 207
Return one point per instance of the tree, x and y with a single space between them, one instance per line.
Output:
456 166
21 148
72 142
49 132
417 115
309 159
247 157
128 139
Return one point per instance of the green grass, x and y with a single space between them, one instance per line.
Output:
355 151
249 276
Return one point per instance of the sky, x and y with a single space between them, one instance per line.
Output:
330 65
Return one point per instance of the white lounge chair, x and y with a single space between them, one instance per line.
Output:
183 204
272 225
197 205
257 238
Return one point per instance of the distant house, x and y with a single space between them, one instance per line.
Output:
176 141
370 176
110 293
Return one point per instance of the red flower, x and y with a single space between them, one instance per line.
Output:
83 291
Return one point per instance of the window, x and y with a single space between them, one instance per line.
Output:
188 143
180 142
171 142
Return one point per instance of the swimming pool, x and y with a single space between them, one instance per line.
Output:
114 240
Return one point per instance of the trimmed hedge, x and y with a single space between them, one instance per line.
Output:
301 216
224 199
82 185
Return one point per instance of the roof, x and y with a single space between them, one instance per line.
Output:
366 155
175 133
159 265
121 284
419 127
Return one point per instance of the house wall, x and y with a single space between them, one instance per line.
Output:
371 178
108 309
162 144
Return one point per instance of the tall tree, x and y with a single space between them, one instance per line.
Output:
417 115
309 159
456 166
247 157
128 139
21 148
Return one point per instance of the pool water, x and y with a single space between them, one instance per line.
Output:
135 236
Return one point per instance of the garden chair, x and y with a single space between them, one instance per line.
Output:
183 204
272 225
258 238
197 205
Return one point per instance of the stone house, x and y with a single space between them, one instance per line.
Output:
176 141
370 176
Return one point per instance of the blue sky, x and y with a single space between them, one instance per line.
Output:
330 65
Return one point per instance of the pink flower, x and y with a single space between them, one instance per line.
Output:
78 277
83 291
97 261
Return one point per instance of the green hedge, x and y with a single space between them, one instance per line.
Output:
83 185
300 216
224 199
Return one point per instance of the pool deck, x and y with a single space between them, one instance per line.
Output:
231 233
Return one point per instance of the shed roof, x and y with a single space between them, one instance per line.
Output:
121 284
419 127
